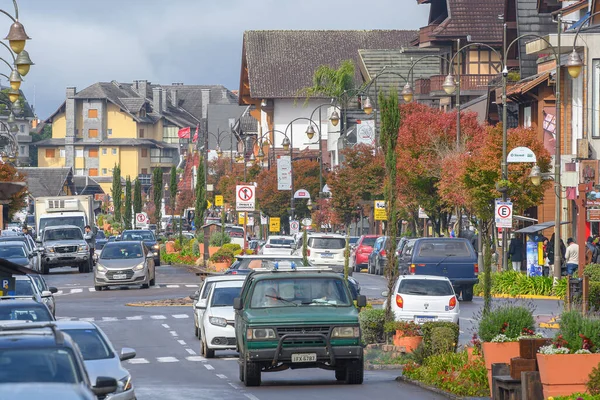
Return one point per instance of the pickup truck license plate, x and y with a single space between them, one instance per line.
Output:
120 276
326 255
421 319
302 358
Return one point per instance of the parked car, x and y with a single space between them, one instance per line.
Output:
243 264
324 249
405 256
364 247
453 258
146 236
217 324
32 248
25 287
43 287
16 252
378 258
100 357
101 240
378 246
424 298
38 390
13 308
125 264
278 245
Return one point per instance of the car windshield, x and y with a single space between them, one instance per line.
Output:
253 263
444 248
91 343
35 313
63 234
282 242
117 251
234 232
368 241
425 287
138 235
223 296
326 243
63 220
24 287
39 282
18 365
294 292
12 252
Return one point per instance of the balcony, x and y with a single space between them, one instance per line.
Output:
473 83
162 160
425 33
422 86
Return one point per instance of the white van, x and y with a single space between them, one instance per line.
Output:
236 233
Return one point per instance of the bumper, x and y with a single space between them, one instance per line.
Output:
335 265
412 316
220 338
323 355
464 282
65 258
107 278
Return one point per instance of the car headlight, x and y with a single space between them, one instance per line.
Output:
124 384
100 268
50 249
139 267
345 332
156 247
84 248
260 334
218 321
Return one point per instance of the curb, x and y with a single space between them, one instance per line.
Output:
383 367
525 296
554 323
157 305
434 389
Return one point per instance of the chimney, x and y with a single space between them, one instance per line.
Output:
157 100
224 92
205 102
141 87
71 92
163 94
174 99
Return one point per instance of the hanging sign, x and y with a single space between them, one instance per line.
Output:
284 173
302 194
521 154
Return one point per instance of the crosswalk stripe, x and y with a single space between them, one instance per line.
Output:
158 317
166 359
221 376
134 318
91 289
76 290
195 358
208 366
106 319
172 286
138 361
180 316
87 319
173 333
192 352
59 292
191 286
181 342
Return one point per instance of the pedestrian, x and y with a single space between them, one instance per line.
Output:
90 238
25 231
515 252
591 251
572 256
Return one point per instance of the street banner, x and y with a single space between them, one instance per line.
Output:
195 139
184 133
379 210
284 173
274 224
366 132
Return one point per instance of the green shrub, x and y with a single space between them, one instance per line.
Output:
592 271
577 396
509 320
233 247
574 328
419 355
515 283
442 340
222 255
371 323
428 327
218 239
408 328
593 384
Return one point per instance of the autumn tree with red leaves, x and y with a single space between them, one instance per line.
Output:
323 214
18 201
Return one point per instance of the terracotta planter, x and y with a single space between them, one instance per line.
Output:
472 355
201 248
221 266
170 247
410 343
212 250
565 374
494 353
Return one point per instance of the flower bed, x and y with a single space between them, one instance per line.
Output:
517 284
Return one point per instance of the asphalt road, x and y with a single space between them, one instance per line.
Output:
168 364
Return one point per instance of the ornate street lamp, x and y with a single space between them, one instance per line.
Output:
335 118
23 62
449 84
16 37
310 131
15 79
407 93
574 64
367 106
286 143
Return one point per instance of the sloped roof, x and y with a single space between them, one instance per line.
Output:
86 185
280 63
133 104
525 85
43 182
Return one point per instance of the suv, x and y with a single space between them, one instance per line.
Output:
64 245
40 353
325 250
297 318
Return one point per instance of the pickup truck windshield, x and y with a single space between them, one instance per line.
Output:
303 292
444 248
63 234
62 220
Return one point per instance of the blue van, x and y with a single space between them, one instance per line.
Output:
453 258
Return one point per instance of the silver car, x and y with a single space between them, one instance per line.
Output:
25 286
100 357
126 263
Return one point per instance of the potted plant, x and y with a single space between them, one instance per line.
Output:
565 365
217 240
502 185
474 351
222 259
406 334
500 330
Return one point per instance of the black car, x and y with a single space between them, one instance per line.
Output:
40 353
145 236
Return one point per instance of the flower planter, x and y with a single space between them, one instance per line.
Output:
494 353
565 374
221 266
170 247
472 354
410 343
212 250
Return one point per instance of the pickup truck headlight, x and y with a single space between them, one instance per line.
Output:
260 334
84 248
101 268
139 267
345 332
217 321
50 249
156 247
124 384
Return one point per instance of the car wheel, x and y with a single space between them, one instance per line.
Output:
208 353
467 293
98 288
241 374
153 281
340 374
251 373
355 372
157 263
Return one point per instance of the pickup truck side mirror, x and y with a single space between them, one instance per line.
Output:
237 303
361 301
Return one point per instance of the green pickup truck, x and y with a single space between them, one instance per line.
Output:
298 318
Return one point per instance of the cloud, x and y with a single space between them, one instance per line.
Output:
77 43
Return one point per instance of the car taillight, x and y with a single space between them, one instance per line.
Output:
307 252
267 246
399 301
452 303
233 272
412 268
476 268
383 253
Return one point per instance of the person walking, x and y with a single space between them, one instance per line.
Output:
515 252
572 256
90 238
591 251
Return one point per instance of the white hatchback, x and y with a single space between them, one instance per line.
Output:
278 245
424 298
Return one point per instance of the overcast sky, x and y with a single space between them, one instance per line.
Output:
79 42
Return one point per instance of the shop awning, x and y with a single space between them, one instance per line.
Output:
538 227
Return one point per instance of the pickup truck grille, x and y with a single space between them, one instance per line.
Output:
303 330
65 249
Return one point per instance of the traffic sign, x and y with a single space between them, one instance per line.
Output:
274 224
208 204
219 200
241 218
504 214
244 198
294 227
141 218
379 211
7 285
307 222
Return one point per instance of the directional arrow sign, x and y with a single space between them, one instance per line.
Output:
245 199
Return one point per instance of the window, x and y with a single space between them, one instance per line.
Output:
62 153
144 171
114 151
93 172
22 150
170 134
444 248
22 128
104 151
596 98
109 132
93 152
104 172
141 133
144 152
79 153
93 133
50 153
425 287
80 172
93 113
483 62
77 134
527 117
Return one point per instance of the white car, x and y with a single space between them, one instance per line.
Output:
324 249
424 298
217 330
200 298
278 245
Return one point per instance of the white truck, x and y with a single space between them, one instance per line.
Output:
64 210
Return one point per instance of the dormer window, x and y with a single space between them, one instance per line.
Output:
143 112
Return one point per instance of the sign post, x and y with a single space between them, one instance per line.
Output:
504 214
141 219
7 286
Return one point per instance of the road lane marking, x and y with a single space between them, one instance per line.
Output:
158 317
208 366
196 358
59 292
106 319
135 318
251 396
180 316
76 290
138 361
192 352
182 342
91 289
165 326
233 385
64 318
221 376
191 285
172 286
173 333
166 359
87 319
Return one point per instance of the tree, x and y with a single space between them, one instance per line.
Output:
200 206
137 197
18 201
390 125
331 82
128 207
185 199
324 214
173 189
157 192
117 193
